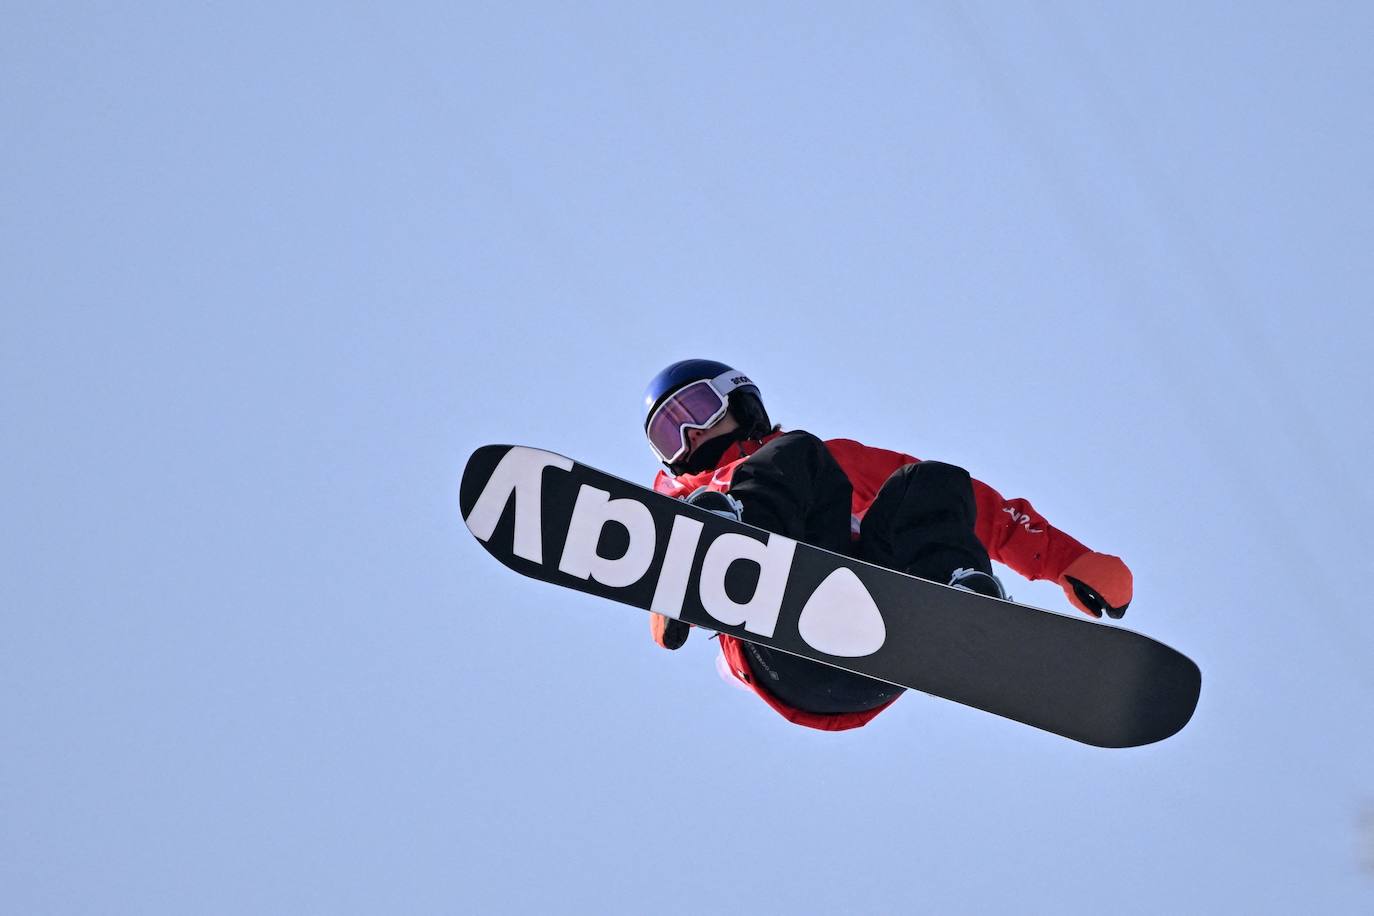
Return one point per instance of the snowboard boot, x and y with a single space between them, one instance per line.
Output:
714 501
975 580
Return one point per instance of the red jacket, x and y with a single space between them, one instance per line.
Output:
1011 530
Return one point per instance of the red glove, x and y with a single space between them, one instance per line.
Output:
1098 582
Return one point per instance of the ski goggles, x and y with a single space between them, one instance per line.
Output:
699 405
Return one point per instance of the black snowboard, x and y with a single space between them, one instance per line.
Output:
550 518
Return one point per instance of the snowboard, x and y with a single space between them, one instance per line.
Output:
548 517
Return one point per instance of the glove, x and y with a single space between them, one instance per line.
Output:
667 632
1097 583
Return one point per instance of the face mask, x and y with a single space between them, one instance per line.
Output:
709 453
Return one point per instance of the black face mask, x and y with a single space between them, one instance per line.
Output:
709 453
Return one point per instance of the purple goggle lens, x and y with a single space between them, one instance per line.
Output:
696 406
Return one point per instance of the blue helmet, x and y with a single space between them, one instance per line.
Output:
696 393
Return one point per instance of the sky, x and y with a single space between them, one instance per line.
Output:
270 273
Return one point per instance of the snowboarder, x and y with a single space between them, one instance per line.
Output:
707 424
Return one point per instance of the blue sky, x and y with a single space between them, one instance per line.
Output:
268 276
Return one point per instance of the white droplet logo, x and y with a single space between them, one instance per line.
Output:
840 617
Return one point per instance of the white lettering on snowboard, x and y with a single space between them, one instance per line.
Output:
520 473
593 510
840 617
671 590
760 613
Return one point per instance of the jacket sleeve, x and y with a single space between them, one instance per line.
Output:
1013 532
868 468
1017 535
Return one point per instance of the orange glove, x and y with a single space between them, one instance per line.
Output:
1098 582
667 632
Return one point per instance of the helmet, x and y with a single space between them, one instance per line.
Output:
696 394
